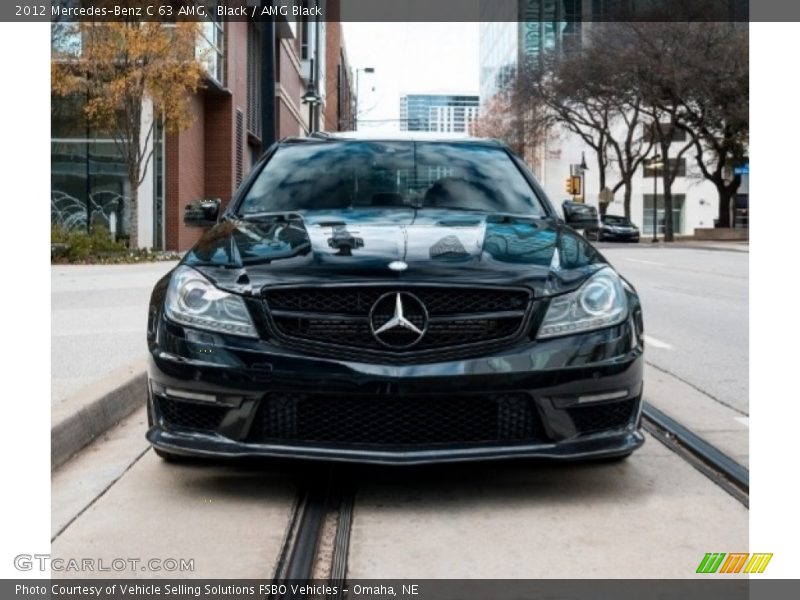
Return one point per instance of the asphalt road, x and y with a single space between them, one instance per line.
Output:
696 320
99 317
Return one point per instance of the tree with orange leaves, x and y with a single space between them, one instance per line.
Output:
120 68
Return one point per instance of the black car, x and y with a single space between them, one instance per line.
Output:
393 301
615 228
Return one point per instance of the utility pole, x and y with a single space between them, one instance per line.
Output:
654 163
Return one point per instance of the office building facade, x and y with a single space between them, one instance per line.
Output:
443 113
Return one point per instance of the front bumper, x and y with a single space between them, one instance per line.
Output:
552 385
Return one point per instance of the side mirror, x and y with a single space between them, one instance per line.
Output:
202 213
580 216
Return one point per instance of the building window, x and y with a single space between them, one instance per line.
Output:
210 49
89 184
678 201
66 39
88 176
253 81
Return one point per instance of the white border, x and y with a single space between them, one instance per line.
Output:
25 160
774 274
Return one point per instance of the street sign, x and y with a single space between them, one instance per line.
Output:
606 196
742 170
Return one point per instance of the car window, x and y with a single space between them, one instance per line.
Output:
350 174
614 220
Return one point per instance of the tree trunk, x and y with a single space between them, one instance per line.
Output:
133 229
726 194
627 200
602 178
667 185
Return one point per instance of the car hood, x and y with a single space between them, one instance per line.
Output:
354 246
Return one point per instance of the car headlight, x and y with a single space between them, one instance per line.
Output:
599 302
194 301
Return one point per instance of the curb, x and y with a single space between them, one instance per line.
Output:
94 410
719 247
743 247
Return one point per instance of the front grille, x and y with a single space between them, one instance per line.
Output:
359 300
395 421
189 415
340 317
599 417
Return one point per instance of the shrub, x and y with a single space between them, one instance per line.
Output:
79 246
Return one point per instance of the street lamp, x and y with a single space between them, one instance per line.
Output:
312 98
366 70
655 163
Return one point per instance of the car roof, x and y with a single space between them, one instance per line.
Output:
393 136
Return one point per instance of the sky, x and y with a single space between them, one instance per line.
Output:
409 58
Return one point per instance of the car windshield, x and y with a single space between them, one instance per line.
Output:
614 220
349 174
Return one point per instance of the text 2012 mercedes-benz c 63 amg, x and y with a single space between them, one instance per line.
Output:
393 301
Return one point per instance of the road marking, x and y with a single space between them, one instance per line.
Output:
645 262
744 421
657 343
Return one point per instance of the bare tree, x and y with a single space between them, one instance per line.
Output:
693 77
629 149
589 94
678 86
550 82
607 73
514 119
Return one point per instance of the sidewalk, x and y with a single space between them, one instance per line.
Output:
713 245
99 317
679 243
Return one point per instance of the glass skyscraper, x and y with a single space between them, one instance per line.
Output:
512 30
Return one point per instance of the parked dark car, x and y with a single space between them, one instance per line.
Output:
614 228
394 301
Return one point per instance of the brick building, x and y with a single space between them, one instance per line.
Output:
252 96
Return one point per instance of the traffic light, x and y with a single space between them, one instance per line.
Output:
576 185
573 185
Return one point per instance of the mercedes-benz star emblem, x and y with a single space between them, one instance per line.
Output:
398 266
398 320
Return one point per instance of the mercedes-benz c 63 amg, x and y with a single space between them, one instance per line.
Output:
393 301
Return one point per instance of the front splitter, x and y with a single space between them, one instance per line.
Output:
196 444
